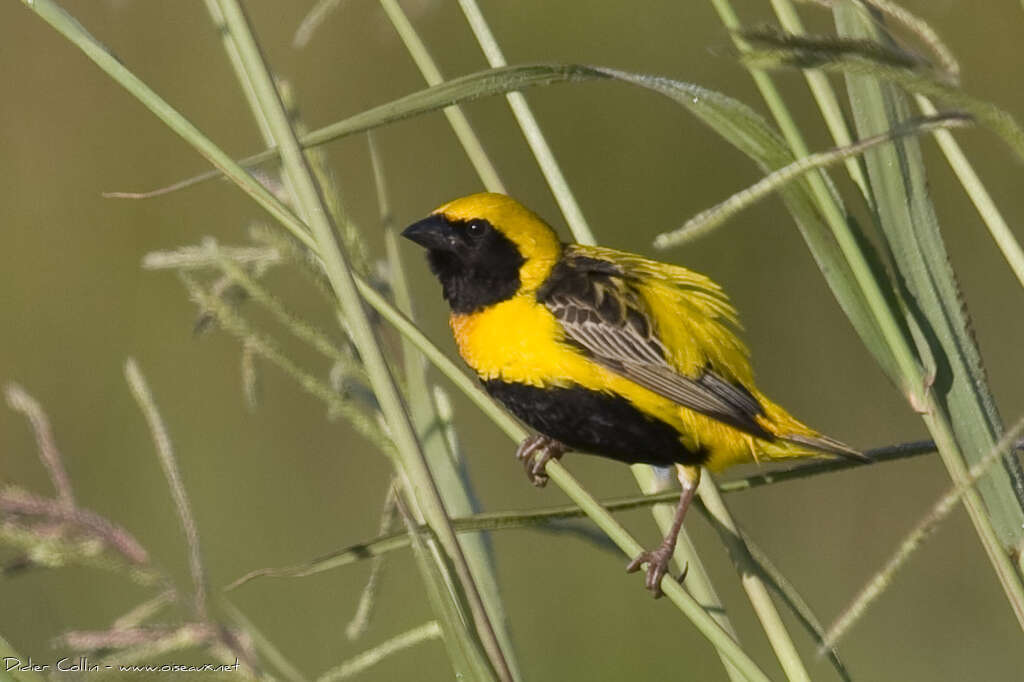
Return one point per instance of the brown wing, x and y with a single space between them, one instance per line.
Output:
600 312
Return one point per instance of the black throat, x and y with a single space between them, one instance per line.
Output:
479 275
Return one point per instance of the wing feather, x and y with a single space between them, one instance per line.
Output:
598 305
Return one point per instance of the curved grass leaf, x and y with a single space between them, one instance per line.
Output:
455 91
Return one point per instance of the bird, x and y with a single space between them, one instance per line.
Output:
605 352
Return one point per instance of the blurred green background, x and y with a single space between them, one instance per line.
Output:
284 484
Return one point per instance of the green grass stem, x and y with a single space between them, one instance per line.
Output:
538 144
266 648
412 465
982 200
456 119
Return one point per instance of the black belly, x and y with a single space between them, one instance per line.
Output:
594 422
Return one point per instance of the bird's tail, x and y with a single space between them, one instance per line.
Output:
796 439
824 445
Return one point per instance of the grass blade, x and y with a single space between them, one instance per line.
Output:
963 417
753 584
987 209
455 91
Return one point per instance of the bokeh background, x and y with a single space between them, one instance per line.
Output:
284 484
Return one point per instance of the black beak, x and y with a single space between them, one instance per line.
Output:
433 233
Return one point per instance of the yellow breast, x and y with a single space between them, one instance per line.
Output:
519 340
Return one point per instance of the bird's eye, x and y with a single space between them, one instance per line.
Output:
476 228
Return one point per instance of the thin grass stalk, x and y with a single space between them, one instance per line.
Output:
412 469
924 528
919 27
786 591
531 129
312 21
364 422
456 118
315 338
145 611
686 558
986 207
264 646
165 451
360 620
372 657
964 420
669 585
753 584
867 58
826 98
76 34
982 200
19 400
453 482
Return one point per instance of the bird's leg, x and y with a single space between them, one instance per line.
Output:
534 452
657 559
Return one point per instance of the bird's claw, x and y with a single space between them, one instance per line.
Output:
657 567
535 452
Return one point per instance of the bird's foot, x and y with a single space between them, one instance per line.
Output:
534 452
657 567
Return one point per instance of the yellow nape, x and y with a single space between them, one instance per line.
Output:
535 239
